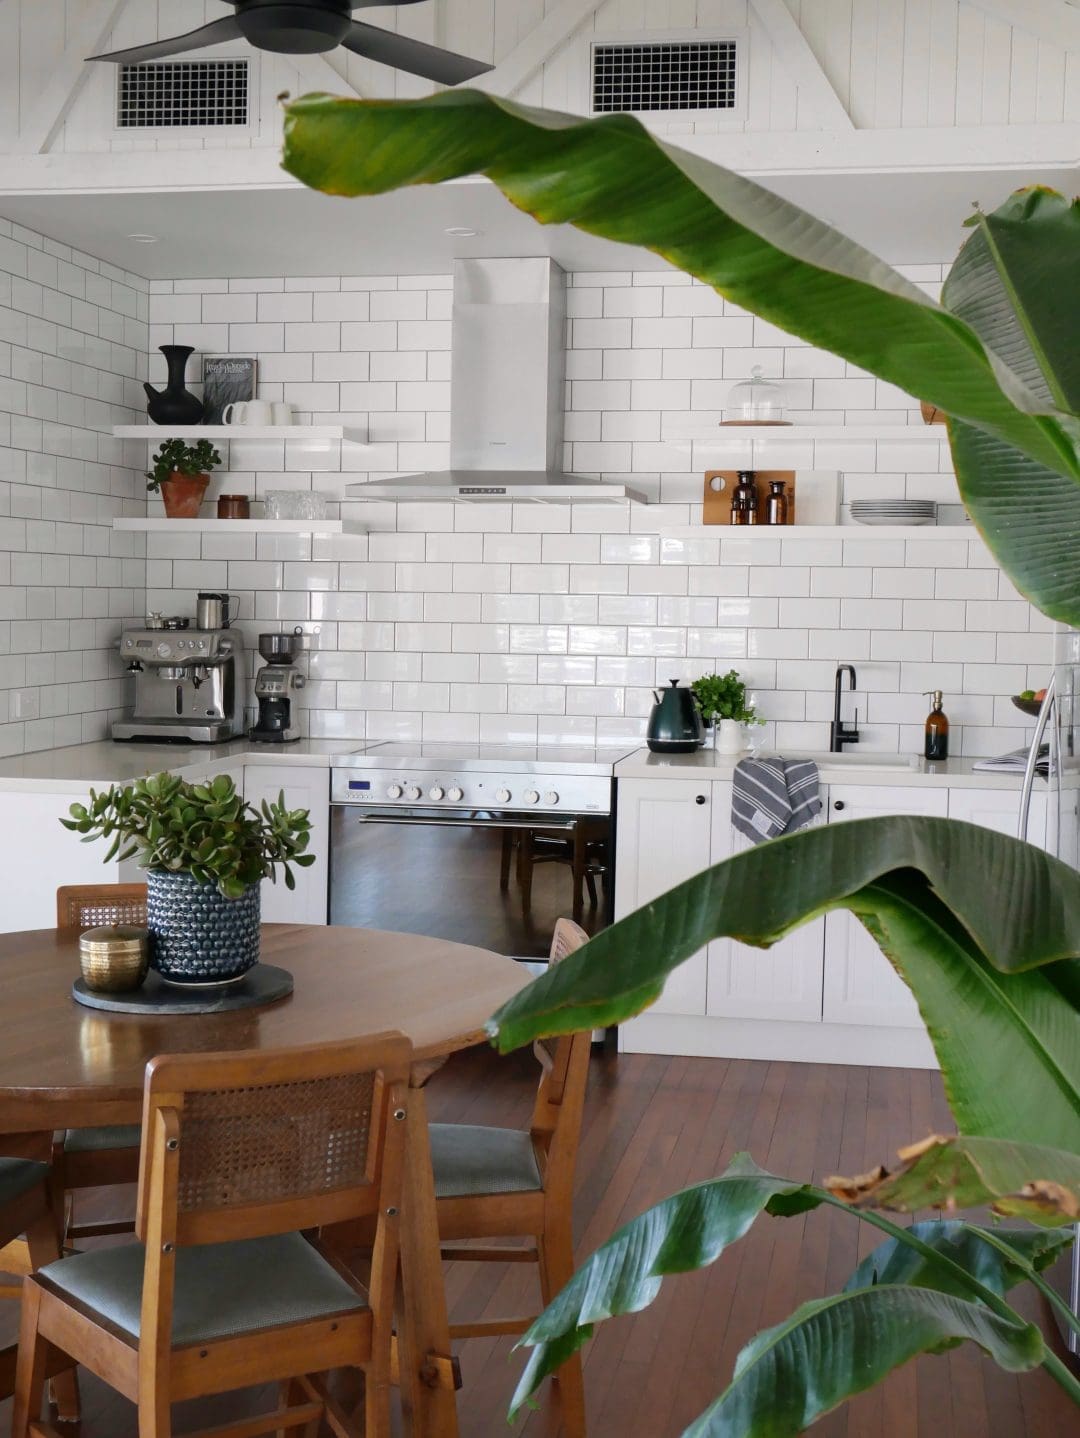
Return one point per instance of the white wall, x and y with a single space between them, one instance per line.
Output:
893 63
518 622
73 338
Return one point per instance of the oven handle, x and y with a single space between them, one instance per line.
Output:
407 820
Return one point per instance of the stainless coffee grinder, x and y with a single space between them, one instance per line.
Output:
275 685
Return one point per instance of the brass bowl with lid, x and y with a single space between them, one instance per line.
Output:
114 958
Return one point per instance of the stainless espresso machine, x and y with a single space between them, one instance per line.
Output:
188 682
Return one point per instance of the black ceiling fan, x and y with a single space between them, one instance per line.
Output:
309 27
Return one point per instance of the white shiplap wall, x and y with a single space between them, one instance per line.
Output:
894 63
518 622
73 338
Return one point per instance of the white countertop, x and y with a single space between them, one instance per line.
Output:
106 762
899 770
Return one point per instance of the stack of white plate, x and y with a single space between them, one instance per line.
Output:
894 511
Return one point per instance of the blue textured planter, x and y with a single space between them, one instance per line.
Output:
198 936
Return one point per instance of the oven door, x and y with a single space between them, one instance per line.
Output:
499 881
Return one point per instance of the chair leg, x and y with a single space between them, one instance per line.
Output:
580 864
556 1270
505 859
525 870
155 1415
30 1365
43 1245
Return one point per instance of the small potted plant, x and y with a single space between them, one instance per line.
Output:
722 701
181 472
205 852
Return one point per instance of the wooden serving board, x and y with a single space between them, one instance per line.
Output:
717 503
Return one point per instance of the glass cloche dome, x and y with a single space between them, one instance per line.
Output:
756 400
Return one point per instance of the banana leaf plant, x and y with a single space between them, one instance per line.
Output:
984 929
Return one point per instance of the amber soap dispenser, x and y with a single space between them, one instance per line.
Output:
936 745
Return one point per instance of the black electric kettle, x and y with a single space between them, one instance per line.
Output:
675 725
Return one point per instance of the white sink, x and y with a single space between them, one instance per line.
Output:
887 763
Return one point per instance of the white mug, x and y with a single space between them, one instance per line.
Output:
283 412
248 411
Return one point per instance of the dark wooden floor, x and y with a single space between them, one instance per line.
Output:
652 1126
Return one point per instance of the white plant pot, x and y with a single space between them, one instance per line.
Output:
730 737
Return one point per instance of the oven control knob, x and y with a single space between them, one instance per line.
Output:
502 796
531 796
455 795
551 798
414 792
437 793
394 791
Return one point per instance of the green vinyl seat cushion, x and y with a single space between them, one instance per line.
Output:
97 1140
222 1289
17 1175
468 1159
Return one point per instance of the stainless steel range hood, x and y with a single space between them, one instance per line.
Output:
507 395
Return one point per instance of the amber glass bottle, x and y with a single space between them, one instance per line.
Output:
937 729
744 501
776 503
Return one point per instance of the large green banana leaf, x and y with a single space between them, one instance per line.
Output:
985 930
1017 1179
691 1229
997 356
832 1348
895 1261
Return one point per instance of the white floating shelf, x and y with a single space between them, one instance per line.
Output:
161 525
320 434
820 531
727 436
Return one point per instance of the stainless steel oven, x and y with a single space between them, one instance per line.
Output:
485 847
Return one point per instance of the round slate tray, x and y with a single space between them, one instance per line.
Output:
264 984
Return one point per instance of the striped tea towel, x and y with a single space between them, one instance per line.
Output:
770 797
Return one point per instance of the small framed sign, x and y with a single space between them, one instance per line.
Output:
226 378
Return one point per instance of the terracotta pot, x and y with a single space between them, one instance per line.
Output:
182 494
931 414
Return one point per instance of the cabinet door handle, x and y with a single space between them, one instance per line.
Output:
839 804
701 799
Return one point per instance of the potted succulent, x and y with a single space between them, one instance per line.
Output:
205 852
722 701
181 473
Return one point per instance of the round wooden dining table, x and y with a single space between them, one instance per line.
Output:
66 1066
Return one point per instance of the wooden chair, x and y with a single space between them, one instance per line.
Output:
496 1183
29 1239
96 1157
240 1152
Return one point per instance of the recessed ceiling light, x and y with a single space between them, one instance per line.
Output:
144 239
461 232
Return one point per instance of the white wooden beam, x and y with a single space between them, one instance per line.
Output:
793 51
538 46
1054 21
38 130
320 72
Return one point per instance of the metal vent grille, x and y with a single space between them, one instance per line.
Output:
674 75
187 93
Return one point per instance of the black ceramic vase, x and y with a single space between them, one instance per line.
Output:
175 404
198 936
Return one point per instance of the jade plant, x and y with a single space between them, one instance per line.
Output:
723 696
205 830
175 456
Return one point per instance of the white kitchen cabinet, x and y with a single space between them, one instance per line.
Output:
303 789
861 986
664 837
783 982
999 809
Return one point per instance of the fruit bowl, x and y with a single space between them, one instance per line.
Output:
1028 706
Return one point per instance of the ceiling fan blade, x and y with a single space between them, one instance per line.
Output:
215 33
413 56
